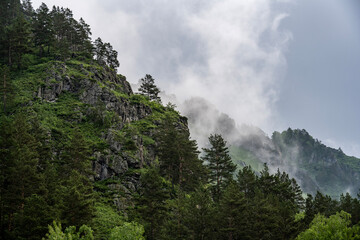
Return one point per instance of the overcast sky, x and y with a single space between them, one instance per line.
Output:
272 64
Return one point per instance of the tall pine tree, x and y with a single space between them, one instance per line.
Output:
178 156
218 160
148 88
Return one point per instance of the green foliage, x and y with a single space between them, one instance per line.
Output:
219 164
106 218
17 40
299 216
151 203
326 166
334 227
128 231
70 233
247 181
6 88
148 88
241 156
47 148
192 216
233 214
105 54
178 156
21 178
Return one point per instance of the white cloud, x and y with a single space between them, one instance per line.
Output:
228 51
240 73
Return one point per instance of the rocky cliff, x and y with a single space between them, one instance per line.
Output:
119 125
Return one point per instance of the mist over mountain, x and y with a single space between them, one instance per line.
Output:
315 166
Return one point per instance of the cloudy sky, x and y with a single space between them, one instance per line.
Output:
272 64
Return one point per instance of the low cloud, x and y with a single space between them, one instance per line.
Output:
229 52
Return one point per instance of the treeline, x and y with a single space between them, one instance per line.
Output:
181 196
185 196
26 33
41 182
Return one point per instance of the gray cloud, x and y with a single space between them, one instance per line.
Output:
228 52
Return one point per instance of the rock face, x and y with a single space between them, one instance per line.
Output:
103 92
98 89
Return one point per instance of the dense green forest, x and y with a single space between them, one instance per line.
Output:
83 157
315 166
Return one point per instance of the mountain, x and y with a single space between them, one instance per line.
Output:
83 157
118 125
315 166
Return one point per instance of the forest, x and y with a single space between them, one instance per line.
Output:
83 157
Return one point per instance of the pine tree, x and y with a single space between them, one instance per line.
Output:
76 155
199 215
77 200
233 214
309 210
324 204
219 163
247 181
76 192
111 56
264 217
43 29
6 87
28 10
151 204
148 88
21 177
99 51
17 40
105 54
178 156
9 11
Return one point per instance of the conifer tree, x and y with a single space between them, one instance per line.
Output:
309 210
324 204
77 200
76 155
148 88
264 217
9 10
151 204
17 40
21 178
199 213
247 181
105 54
178 156
233 214
219 163
28 10
43 29
6 88
76 192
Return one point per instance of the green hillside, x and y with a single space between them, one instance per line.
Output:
83 157
315 166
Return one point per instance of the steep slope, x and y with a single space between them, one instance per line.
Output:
118 125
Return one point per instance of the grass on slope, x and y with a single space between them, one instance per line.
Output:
242 157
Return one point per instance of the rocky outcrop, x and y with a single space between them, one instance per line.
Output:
104 91
94 87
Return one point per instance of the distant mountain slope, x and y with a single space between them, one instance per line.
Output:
314 165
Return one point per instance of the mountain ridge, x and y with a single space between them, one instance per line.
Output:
294 151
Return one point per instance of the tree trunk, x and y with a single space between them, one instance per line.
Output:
4 97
